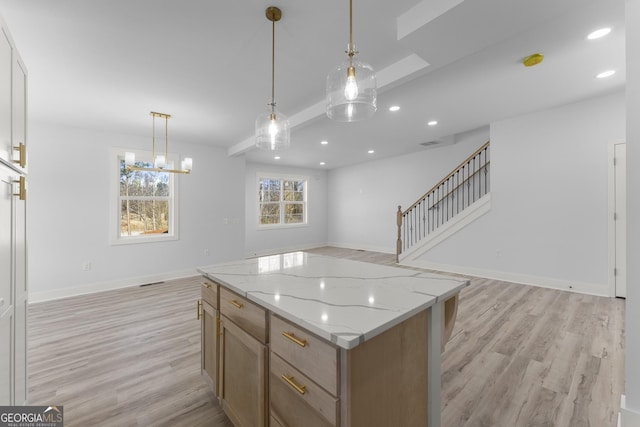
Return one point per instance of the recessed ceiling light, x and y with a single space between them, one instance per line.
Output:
432 123
371 151
322 163
324 142
606 74
276 158
394 108
599 33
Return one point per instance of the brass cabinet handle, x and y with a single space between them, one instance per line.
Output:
206 285
22 189
198 309
218 332
292 337
299 388
22 155
236 304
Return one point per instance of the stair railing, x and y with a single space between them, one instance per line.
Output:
453 194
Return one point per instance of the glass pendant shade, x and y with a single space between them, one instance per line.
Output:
351 92
272 128
272 131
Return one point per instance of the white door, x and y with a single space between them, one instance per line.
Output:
620 194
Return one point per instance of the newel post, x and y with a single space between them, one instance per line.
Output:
399 241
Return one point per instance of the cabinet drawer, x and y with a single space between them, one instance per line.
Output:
296 400
315 357
247 315
209 291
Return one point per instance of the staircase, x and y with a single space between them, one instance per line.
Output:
452 203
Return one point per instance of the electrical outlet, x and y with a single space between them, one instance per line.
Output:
86 266
206 252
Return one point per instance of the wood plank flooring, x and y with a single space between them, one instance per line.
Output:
518 356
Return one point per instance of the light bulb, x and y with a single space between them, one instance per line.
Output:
351 88
273 131
129 158
161 161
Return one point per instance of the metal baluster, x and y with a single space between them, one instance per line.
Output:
479 180
428 212
424 217
445 201
469 176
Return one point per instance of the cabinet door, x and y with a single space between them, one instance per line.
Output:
210 343
242 376
6 332
19 108
5 95
6 242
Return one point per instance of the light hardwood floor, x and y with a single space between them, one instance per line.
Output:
518 356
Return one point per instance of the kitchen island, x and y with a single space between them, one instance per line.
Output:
299 339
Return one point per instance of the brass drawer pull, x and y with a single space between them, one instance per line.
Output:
292 337
236 303
299 388
206 285
198 309
22 189
22 154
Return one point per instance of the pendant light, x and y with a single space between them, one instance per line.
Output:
160 161
351 87
272 128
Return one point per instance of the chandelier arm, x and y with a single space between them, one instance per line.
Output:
153 138
166 138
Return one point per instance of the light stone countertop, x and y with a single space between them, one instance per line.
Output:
343 301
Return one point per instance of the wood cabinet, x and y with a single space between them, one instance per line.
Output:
210 332
243 361
13 248
274 371
304 377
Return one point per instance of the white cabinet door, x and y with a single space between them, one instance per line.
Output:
6 241
6 329
19 107
6 285
5 95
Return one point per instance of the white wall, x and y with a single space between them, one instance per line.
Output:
262 241
68 214
548 220
364 198
632 327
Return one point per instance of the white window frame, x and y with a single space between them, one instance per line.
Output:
282 177
117 155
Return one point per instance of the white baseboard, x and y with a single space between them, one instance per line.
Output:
35 297
544 282
627 417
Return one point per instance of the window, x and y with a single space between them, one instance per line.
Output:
282 201
144 208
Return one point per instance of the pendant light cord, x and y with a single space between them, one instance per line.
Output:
352 50
273 66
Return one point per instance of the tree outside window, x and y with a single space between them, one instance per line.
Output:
282 201
143 204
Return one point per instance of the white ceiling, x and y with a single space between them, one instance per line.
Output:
106 65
